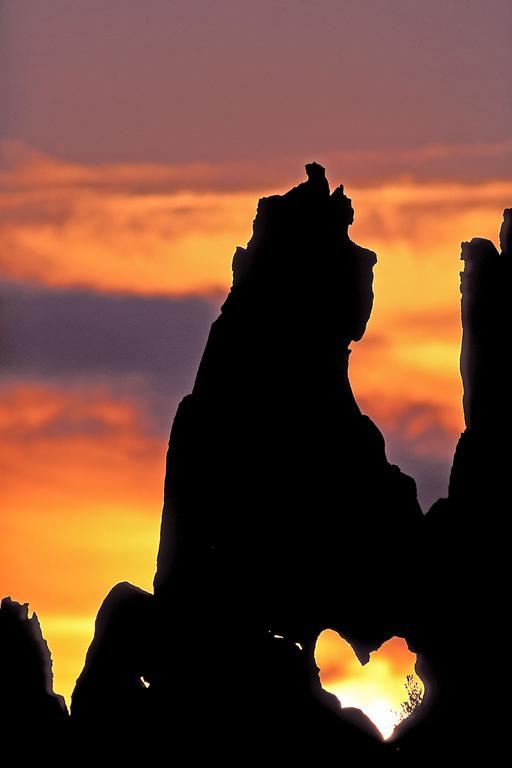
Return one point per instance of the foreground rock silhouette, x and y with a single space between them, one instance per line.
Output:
267 483
281 511
463 600
26 689
282 517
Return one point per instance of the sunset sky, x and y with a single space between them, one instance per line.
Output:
135 140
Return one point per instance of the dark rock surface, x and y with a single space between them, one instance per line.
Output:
281 512
466 592
275 480
26 690
118 661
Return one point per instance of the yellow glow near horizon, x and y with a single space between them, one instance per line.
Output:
378 688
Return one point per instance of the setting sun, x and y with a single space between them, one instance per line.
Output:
379 688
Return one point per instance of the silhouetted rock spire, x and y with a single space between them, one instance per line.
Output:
479 471
273 473
119 661
26 684
281 512
506 233
463 599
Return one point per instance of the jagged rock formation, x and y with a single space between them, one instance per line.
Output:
274 477
479 470
119 660
26 685
463 622
282 515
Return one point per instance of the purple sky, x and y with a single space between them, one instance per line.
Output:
174 81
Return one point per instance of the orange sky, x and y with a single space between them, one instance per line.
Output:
378 687
133 149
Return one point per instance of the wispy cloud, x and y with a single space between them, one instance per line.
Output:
161 229
26 169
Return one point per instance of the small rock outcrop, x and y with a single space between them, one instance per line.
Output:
119 661
26 689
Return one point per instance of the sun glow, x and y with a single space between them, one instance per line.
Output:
379 688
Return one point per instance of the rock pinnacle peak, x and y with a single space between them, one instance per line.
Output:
315 171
